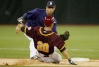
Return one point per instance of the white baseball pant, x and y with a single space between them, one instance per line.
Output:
54 57
33 50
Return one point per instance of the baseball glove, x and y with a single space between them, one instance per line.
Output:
65 36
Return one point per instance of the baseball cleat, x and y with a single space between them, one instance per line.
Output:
34 57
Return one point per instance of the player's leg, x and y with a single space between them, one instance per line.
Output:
55 48
54 58
33 54
33 51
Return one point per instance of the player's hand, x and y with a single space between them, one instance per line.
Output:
20 20
17 29
71 62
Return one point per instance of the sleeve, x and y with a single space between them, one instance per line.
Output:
30 13
30 31
60 44
54 27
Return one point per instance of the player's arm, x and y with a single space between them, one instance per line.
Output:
27 15
20 21
54 29
61 46
22 27
23 18
65 53
27 30
18 27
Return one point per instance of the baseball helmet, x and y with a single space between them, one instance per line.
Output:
48 21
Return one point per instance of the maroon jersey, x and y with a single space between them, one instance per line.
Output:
45 40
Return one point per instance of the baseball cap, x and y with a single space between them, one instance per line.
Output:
51 4
48 21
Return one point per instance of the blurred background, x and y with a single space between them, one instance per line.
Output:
67 11
79 17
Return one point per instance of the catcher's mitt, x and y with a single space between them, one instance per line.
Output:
65 36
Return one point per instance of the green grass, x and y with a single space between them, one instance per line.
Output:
83 42
13 45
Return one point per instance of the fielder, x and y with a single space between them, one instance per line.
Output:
45 40
36 18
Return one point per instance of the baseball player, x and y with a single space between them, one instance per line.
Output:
36 18
45 40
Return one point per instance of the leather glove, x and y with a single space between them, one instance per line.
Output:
65 36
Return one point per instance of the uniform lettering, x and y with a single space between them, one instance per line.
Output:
43 46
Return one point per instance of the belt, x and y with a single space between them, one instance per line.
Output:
46 55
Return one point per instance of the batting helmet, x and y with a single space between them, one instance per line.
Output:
48 21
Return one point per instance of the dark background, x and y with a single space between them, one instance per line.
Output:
67 11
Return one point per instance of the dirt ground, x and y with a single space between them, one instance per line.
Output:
64 62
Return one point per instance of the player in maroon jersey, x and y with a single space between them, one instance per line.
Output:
45 40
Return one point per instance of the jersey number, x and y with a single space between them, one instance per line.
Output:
43 46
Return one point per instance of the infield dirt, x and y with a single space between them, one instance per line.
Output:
64 62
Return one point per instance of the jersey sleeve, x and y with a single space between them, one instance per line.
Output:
54 27
30 31
59 43
32 13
